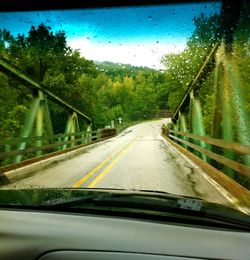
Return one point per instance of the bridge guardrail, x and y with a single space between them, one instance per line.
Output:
243 149
60 142
185 142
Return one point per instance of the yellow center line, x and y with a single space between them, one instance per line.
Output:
99 166
109 167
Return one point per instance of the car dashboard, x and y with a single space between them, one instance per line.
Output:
27 234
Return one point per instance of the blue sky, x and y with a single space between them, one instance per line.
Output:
135 35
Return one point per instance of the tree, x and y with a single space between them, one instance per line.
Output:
5 39
45 56
39 51
181 68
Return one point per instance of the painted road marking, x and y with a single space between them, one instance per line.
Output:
99 166
110 166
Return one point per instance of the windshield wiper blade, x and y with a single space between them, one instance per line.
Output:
184 208
71 201
134 200
170 194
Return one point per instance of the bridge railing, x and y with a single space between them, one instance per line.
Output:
187 140
184 142
9 148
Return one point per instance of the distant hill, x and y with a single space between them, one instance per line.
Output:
117 69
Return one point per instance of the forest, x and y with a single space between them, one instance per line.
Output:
106 91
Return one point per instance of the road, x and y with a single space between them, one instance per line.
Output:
138 158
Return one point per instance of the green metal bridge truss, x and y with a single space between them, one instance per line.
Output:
38 127
218 146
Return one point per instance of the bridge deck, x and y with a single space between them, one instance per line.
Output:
138 158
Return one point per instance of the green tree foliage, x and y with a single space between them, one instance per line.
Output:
103 91
241 53
106 91
45 56
113 70
181 68
5 39
126 97
12 107
37 52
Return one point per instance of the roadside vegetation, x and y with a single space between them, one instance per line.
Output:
106 91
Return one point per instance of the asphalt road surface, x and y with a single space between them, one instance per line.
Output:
138 158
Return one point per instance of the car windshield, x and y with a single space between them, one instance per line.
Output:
152 97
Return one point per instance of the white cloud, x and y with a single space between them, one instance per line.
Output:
145 54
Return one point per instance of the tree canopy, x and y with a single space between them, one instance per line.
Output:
106 91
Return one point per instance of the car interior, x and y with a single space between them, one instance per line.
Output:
113 231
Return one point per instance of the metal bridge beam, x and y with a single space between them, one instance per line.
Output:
196 120
230 119
37 114
182 126
47 118
72 127
39 122
8 68
240 104
225 97
28 125
89 134
204 71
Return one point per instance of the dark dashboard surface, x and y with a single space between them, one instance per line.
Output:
30 235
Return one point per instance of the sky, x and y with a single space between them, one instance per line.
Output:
139 36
